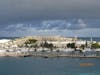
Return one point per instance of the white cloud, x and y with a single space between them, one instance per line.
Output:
82 24
50 27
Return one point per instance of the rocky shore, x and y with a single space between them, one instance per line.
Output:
71 54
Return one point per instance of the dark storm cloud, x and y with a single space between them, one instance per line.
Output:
73 24
16 11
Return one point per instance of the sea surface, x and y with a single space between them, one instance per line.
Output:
48 66
88 38
82 38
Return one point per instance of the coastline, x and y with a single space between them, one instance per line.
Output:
47 55
54 46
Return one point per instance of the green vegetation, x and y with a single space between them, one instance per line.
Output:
20 46
47 45
30 43
71 45
95 45
82 47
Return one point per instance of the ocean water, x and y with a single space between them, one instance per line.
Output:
8 37
83 38
49 66
88 38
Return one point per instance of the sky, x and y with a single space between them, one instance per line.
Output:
49 17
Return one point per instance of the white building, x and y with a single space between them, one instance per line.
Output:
4 40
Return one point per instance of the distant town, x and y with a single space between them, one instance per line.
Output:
49 46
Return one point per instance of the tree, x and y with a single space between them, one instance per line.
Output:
51 47
71 45
47 45
30 42
82 46
95 45
35 45
86 44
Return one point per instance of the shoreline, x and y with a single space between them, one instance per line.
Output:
45 55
